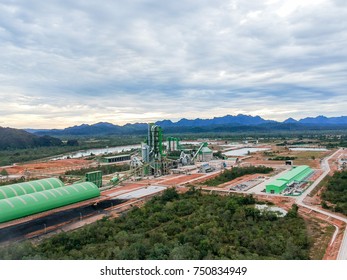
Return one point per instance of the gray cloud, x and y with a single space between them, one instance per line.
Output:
68 62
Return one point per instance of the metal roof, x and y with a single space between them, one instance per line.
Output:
29 187
277 183
295 173
205 150
28 204
118 156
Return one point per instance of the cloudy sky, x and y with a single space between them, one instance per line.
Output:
65 63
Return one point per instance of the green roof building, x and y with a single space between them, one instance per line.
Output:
205 154
94 177
19 189
296 175
36 202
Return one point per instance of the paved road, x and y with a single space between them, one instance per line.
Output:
300 201
343 249
326 168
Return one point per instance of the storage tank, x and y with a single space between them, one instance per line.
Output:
145 152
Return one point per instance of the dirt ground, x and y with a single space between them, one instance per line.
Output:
334 161
180 179
333 246
239 180
311 159
50 167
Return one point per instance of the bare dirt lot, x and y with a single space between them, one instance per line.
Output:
181 179
310 158
50 167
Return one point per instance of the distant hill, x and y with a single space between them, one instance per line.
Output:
226 120
322 120
11 138
290 120
102 128
228 123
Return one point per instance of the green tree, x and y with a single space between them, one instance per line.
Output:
4 172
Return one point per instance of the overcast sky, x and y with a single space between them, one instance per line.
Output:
65 63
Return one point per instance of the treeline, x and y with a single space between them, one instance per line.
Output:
106 169
336 193
10 156
235 172
282 158
13 181
176 226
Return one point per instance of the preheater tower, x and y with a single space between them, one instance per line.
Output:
152 150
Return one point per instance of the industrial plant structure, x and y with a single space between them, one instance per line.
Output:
205 153
152 152
173 144
27 198
296 175
118 158
94 177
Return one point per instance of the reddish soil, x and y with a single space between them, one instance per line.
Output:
333 248
50 167
261 159
181 179
207 177
282 202
239 180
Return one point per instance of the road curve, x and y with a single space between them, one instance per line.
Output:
342 255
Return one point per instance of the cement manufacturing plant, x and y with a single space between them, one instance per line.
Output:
51 198
155 160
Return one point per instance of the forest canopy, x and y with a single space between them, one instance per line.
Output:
179 226
235 172
336 192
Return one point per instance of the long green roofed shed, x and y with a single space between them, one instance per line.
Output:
29 187
297 174
28 204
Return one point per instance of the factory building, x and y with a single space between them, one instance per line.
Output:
296 175
113 159
27 204
94 177
205 154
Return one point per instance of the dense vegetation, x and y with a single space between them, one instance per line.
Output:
186 226
19 139
336 192
106 169
235 172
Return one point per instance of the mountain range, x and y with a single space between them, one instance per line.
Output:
227 123
11 138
